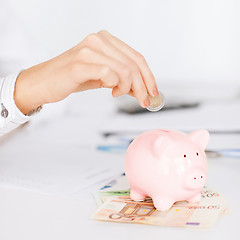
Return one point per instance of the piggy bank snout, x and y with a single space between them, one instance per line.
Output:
196 179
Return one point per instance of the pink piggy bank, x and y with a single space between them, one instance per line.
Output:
167 166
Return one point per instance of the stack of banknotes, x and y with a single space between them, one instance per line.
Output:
115 205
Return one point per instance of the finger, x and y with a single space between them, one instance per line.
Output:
91 84
130 93
98 43
140 92
135 56
102 74
124 73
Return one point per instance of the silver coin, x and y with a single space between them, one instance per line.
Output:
156 103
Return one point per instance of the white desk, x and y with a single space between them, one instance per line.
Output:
25 215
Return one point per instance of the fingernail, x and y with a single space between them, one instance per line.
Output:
155 92
146 102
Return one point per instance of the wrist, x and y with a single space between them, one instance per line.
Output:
28 92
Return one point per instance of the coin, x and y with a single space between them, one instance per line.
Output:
156 103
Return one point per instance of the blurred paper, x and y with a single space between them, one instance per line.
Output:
69 172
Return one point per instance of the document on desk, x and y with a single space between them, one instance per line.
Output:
116 206
59 174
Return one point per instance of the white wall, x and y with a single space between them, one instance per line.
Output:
195 41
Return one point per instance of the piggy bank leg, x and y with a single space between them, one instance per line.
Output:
195 198
136 196
162 204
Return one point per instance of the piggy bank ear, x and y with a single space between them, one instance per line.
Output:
200 137
160 144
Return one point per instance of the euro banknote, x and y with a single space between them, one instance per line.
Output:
116 206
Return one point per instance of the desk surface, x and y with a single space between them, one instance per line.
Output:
27 215
46 148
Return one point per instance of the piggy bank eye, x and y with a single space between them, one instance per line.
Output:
184 155
197 153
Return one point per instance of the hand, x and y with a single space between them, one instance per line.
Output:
100 60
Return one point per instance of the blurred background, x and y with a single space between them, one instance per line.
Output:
185 42
191 46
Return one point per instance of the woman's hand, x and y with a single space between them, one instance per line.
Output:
100 60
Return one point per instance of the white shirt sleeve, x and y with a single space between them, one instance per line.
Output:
10 116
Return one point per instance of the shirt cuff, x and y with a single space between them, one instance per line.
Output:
10 116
